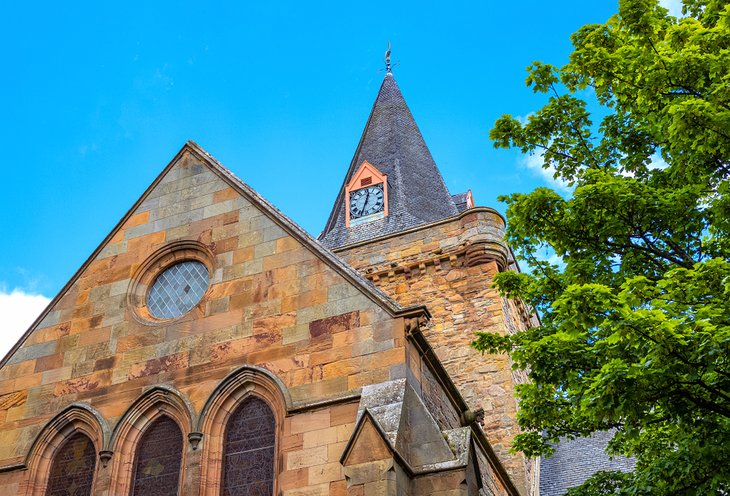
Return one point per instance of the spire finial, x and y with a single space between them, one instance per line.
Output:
387 59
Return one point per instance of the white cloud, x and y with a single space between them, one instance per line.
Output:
535 163
673 6
18 310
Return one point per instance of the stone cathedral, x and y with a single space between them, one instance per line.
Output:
210 346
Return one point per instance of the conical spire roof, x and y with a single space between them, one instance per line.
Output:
393 144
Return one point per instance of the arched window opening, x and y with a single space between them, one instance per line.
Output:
248 450
72 470
158 460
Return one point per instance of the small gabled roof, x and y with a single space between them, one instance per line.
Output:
332 260
393 144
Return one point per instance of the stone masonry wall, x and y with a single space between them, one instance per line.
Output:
272 303
447 266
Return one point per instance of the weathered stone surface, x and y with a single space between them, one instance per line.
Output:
430 265
273 303
278 304
13 399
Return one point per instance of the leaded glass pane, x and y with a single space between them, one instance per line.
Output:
178 289
72 470
159 455
248 451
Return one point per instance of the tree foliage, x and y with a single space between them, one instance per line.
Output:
635 321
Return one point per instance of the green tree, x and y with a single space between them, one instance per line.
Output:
635 323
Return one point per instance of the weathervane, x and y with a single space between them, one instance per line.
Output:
387 59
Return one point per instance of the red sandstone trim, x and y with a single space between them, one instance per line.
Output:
366 172
241 384
75 418
154 404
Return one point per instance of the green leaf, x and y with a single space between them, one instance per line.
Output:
635 323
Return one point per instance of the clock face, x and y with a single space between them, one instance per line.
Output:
366 201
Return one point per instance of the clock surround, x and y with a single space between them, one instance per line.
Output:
366 195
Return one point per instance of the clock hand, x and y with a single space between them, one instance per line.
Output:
367 197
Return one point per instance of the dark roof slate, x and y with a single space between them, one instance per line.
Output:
460 201
575 460
393 144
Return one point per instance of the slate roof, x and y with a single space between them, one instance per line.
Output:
460 201
393 144
577 459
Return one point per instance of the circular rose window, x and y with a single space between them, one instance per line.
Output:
177 289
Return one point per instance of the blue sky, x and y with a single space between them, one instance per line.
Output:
97 97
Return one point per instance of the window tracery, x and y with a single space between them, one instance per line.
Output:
245 391
248 452
158 460
161 403
63 455
72 469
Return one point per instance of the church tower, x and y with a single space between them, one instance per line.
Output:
211 346
395 222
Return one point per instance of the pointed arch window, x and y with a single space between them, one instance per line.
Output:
72 470
158 460
248 450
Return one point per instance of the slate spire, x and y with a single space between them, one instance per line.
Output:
393 144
